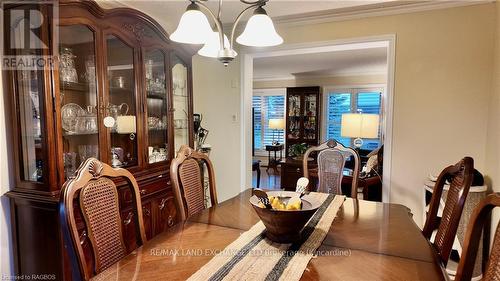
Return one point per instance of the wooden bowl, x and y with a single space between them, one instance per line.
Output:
284 226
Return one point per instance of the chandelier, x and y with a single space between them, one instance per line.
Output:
194 28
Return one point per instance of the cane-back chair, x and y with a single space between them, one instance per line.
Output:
472 237
460 178
96 196
188 181
331 159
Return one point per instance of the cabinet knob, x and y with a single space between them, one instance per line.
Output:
170 221
143 191
298 170
128 220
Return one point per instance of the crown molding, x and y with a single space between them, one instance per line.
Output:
372 10
335 75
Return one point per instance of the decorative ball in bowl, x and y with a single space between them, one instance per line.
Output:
286 219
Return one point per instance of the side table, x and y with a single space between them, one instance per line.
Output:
273 162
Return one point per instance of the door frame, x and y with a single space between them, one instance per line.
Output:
249 54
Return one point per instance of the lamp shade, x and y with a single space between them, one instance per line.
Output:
359 125
212 45
277 124
259 31
193 27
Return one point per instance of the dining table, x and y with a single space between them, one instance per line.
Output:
366 241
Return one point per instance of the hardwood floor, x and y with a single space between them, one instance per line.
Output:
268 180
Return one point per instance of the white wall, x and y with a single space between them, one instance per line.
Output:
217 96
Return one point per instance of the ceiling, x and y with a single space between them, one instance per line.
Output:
337 63
168 12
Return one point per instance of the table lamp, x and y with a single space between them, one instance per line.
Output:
358 126
276 124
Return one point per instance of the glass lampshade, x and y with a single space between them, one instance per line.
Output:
193 27
259 31
212 45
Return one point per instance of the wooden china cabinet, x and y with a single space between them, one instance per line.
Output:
120 92
302 116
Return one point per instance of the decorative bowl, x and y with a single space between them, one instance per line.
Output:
284 226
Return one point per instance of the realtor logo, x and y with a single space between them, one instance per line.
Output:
25 44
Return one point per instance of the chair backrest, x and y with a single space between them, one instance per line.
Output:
460 175
97 197
331 159
473 235
187 175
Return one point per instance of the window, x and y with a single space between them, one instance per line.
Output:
267 105
350 101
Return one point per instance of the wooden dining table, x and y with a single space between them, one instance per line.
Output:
367 241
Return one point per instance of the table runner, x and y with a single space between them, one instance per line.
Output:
254 257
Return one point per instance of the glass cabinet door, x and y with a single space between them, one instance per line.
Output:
30 95
157 106
310 117
294 114
78 95
181 102
122 102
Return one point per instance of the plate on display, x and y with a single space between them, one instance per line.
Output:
69 114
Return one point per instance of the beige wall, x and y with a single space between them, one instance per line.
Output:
217 96
441 97
442 88
493 140
322 81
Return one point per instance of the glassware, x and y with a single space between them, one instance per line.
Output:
87 151
67 70
121 73
87 122
69 115
78 113
181 102
157 105
69 164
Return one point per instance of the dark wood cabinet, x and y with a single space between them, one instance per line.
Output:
119 91
303 114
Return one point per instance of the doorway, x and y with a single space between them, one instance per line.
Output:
331 85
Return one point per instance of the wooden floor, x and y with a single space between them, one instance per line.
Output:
268 180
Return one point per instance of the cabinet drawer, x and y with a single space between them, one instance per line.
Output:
145 189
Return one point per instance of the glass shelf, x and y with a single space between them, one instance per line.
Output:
77 83
157 106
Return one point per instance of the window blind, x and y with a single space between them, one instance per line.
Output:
267 107
349 102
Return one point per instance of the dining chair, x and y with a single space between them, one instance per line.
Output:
188 180
472 237
460 177
97 200
331 159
